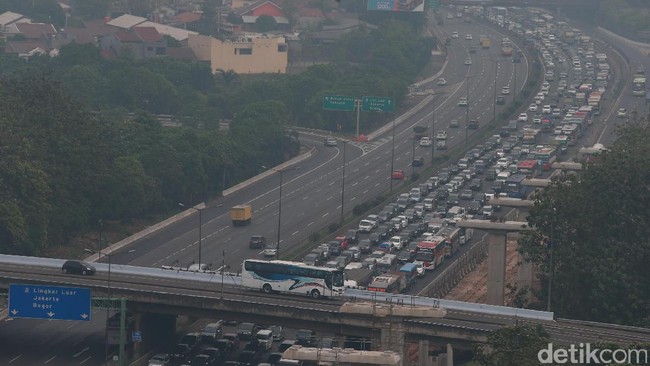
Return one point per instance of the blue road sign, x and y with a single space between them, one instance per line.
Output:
136 336
49 302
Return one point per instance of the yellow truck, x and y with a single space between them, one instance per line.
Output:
241 215
485 42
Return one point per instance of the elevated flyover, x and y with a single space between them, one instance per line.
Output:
210 295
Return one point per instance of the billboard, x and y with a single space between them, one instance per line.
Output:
396 5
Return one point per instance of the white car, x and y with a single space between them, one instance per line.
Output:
523 117
454 35
396 242
426 141
546 109
621 112
442 81
468 61
505 90
468 37
532 108
462 102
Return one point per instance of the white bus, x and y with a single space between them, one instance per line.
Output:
292 277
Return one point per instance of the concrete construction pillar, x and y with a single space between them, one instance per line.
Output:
450 355
423 353
496 267
392 335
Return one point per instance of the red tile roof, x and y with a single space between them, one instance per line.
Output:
35 30
147 34
126 36
24 47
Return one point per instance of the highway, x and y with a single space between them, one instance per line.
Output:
311 200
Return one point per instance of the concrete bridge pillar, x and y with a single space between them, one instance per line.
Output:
156 330
450 355
423 354
392 335
496 267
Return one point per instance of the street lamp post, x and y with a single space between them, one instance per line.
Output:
494 98
277 250
281 171
392 158
345 143
108 288
433 126
200 210
467 109
223 271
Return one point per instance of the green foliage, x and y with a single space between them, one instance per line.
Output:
513 346
598 223
265 23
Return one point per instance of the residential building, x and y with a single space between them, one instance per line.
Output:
244 54
141 42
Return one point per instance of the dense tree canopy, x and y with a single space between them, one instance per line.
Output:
512 346
597 223
80 142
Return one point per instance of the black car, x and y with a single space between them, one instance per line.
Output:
474 207
78 267
248 358
475 184
224 346
180 352
501 100
453 199
305 337
247 331
405 256
418 161
352 236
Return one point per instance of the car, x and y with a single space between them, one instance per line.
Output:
454 123
441 81
523 117
441 145
472 49
418 161
532 107
505 90
330 142
78 267
622 112
425 141
462 102
405 256
160 359
248 358
468 37
233 338
271 250
352 236
467 194
468 61
257 242
397 174
305 337
203 360
454 35
501 100
246 331
225 347
180 352
472 124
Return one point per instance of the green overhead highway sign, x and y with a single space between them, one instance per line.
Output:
338 103
377 104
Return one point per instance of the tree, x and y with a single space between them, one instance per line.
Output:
597 225
512 346
228 76
265 23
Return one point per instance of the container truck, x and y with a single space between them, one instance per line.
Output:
241 215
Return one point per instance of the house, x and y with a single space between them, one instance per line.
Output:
26 49
128 21
8 18
244 54
141 42
250 13
91 31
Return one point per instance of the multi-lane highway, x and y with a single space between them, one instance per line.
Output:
311 196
